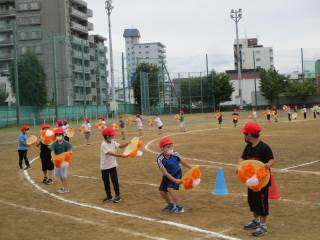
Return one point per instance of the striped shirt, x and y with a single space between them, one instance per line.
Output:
172 164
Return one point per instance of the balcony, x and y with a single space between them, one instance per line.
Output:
6 42
89 13
80 2
90 26
7 12
79 41
78 55
5 56
79 14
6 27
78 27
78 68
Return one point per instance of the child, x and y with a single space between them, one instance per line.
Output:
87 129
108 164
304 111
139 124
275 113
59 123
169 164
289 113
45 156
258 201
65 127
235 117
122 126
268 114
23 147
219 118
102 122
158 122
254 114
58 147
181 121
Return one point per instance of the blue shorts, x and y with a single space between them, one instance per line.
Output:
61 172
166 183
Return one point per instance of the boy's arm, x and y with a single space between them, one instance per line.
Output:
169 176
123 145
116 155
270 163
185 164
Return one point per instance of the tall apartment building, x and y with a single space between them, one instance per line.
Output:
58 31
136 52
252 54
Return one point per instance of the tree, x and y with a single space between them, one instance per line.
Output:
222 87
272 84
3 95
300 89
31 80
152 71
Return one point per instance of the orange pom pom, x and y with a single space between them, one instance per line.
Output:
140 144
187 183
134 153
68 157
246 172
261 173
57 160
196 173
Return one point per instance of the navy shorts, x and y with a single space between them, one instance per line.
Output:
166 183
258 201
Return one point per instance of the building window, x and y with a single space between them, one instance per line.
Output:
34 6
257 52
29 20
146 46
258 59
147 52
23 6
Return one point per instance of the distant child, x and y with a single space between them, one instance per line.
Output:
23 147
59 123
108 164
122 126
65 127
139 124
61 146
181 121
159 123
219 117
87 129
275 113
169 164
304 111
268 114
314 110
102 122
46 160
254 114
235 117
289 113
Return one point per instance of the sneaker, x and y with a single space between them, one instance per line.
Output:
177 209
49 182
27 167
168 207
60 190
45 180
117 199
260 231
63 190
252 225
107 199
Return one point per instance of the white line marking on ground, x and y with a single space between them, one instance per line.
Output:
300 165
80 220
125 214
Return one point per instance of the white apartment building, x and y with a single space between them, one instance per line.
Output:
6 86
253 55
136 52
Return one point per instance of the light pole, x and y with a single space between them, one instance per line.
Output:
236 15
109 7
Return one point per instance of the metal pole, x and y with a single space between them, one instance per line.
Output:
109 8
302 64
16 76
124 84
54 50
255 79
84 80
141 91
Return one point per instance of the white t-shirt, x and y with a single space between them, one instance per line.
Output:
139 123
158 122
87 127
107 161
65 128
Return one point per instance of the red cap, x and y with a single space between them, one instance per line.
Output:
59 131
44 126
101 117
24 128
108 132
65 121
181 112
165 141
251 128
59 122
138 115
86 119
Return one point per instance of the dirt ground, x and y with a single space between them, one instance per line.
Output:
32 210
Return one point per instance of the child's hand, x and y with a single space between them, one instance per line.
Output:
178 181
124 156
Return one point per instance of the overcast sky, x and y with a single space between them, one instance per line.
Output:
192 28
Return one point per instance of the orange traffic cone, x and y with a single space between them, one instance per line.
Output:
273 190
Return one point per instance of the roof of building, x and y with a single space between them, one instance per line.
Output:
152 43
245 74
100 37
131 33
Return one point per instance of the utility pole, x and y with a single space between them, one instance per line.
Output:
124 85
54 54
255 79
16 76
236 15
302 64
109 7
83 80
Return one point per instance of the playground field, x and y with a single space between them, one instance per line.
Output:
32 210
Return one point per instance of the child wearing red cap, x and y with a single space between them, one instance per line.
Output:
108 164
169 164
45 156
61 146
65 126
258 201
23 147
